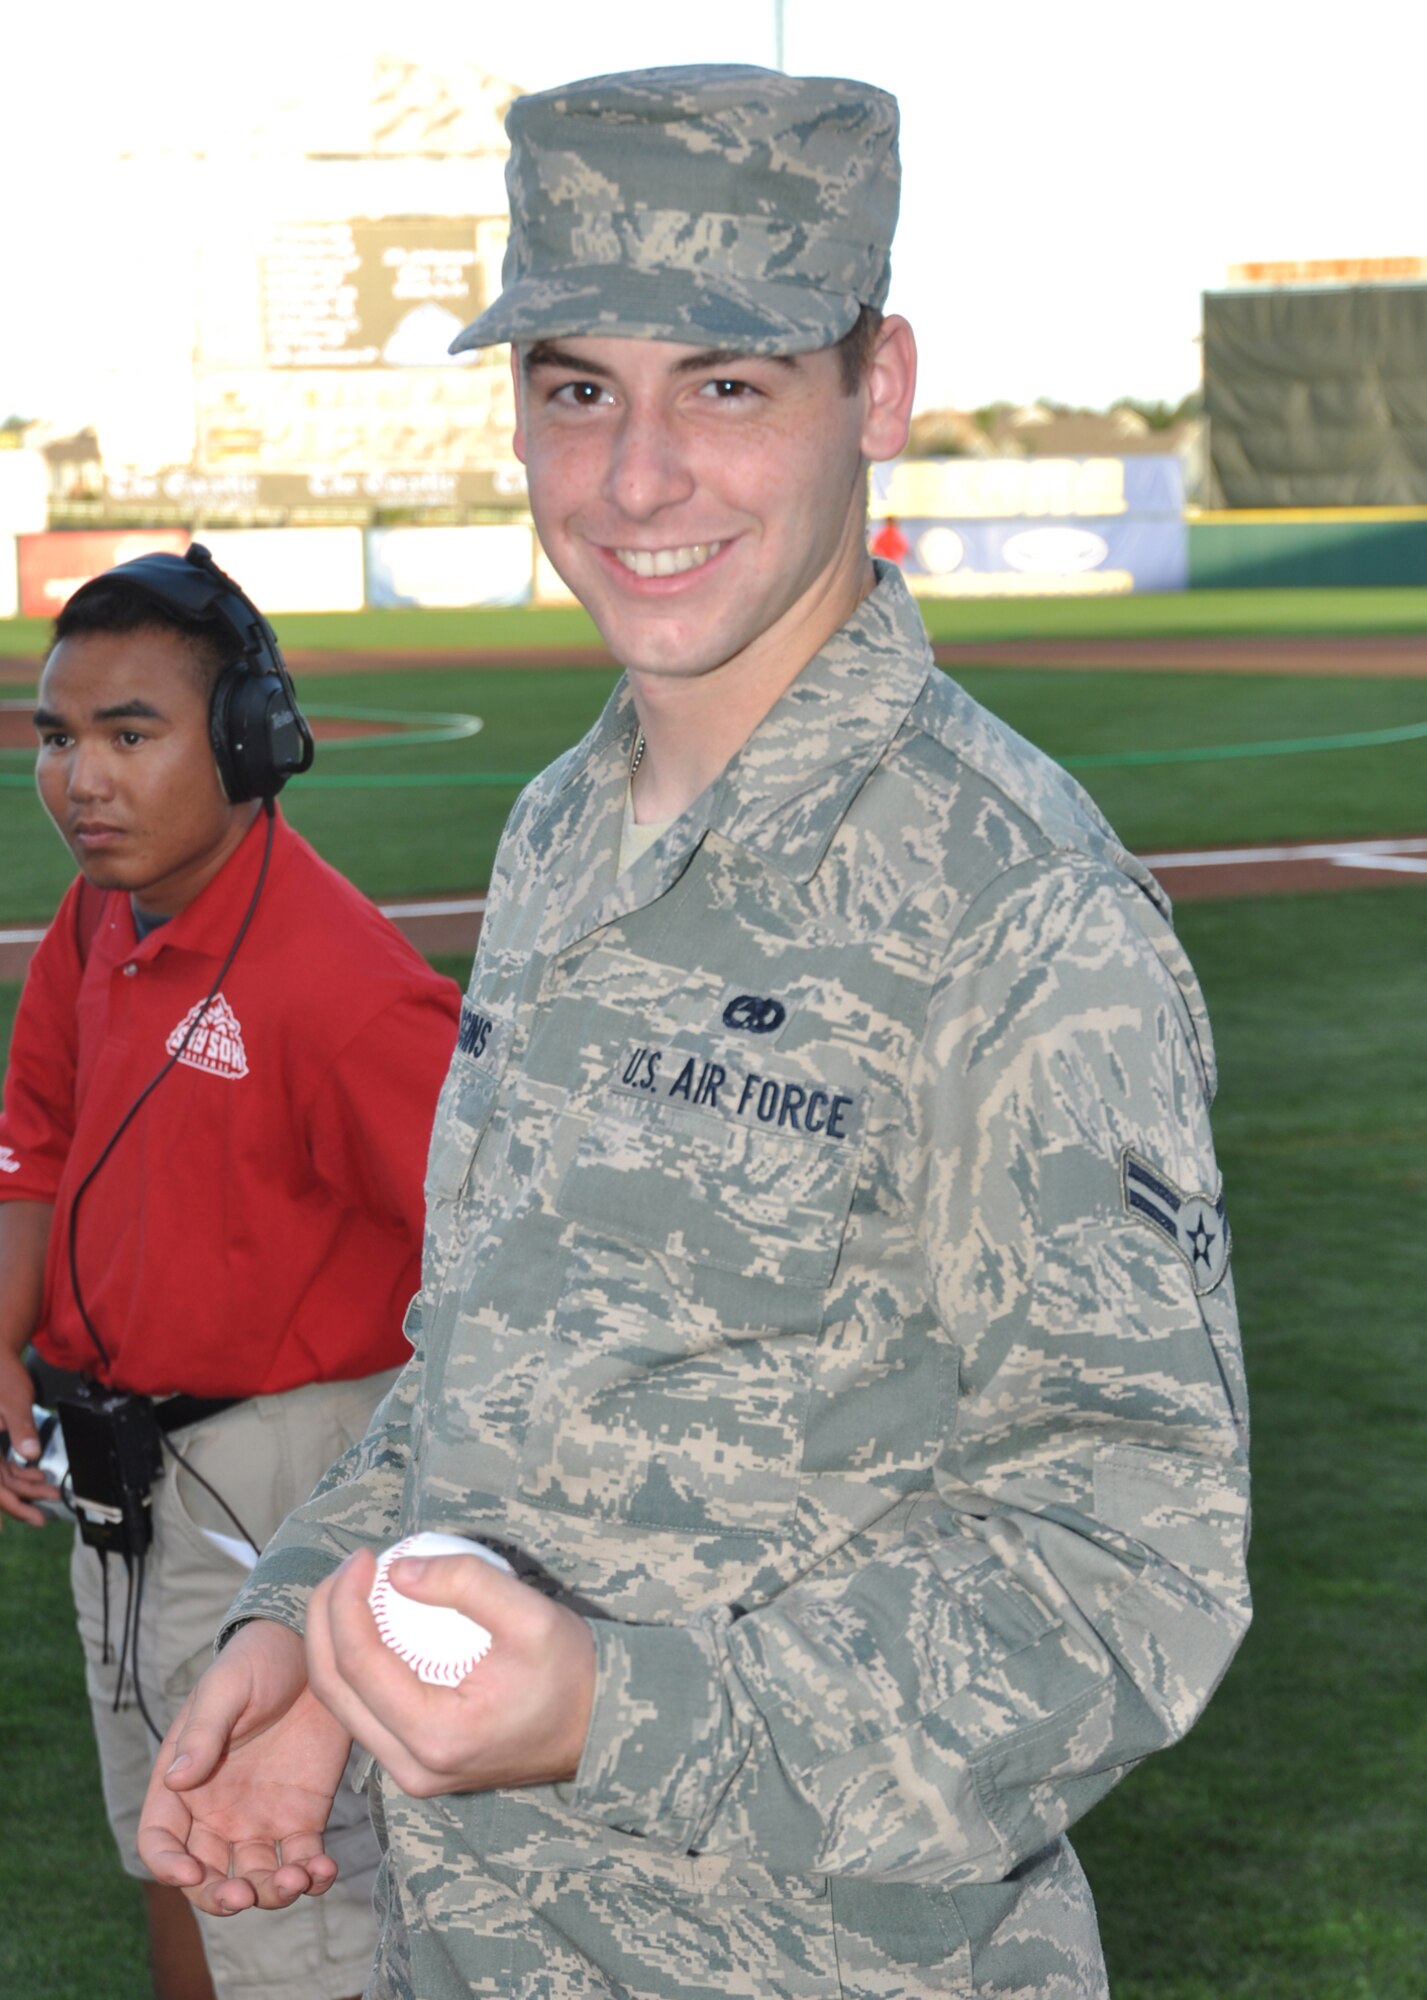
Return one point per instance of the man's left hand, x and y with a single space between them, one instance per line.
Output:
521 1715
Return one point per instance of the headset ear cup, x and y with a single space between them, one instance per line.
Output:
258 734
220 734
255 733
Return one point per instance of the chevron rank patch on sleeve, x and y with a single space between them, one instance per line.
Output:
1194 1223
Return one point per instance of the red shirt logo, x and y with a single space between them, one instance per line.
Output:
216 1045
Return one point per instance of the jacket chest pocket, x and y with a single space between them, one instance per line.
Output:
698 1250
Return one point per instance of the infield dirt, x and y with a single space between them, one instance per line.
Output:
1287 869
1395 655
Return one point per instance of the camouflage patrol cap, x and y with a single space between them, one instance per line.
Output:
724 206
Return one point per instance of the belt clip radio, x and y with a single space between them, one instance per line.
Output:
115 1455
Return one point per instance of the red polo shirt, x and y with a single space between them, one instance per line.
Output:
258 1226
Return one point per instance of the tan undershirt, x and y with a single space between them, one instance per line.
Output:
634 839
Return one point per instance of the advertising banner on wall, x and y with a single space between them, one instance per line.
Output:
263 499
1003 489
1033 528
445 418
52 567
9 577
1044 559
292 569
450 568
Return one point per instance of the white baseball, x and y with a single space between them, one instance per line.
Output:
439 1643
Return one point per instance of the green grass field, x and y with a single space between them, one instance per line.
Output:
1202 611
403 821
1277 1854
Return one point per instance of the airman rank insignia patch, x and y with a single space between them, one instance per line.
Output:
1194 1223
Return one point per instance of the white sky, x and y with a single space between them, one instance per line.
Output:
1074 175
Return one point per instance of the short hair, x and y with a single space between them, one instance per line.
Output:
112 604
854 350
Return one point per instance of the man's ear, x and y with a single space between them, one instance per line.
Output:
888 388
517 443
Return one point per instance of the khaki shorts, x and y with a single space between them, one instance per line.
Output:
264 1457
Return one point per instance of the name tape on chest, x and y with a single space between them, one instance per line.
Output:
482 1040
474 1034
745 1096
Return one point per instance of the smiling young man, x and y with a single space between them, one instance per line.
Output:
240 1249
708 508
825 1305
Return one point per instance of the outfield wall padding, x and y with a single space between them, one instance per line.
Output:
1356 548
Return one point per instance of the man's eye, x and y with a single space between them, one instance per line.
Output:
129 737
580 395
727 389
53 739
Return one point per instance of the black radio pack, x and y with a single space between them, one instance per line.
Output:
115 1455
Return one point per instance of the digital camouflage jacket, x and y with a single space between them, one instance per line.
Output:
826 1292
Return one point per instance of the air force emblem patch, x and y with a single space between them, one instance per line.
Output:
1194 1223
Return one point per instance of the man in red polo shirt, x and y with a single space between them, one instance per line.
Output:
219 1096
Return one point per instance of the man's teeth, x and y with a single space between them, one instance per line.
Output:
667 562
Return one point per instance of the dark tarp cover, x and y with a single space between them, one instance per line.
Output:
1318 397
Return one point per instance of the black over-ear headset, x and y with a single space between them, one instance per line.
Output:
259 735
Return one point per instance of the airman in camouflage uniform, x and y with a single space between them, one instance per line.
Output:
826 1289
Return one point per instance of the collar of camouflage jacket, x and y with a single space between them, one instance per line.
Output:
784 794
